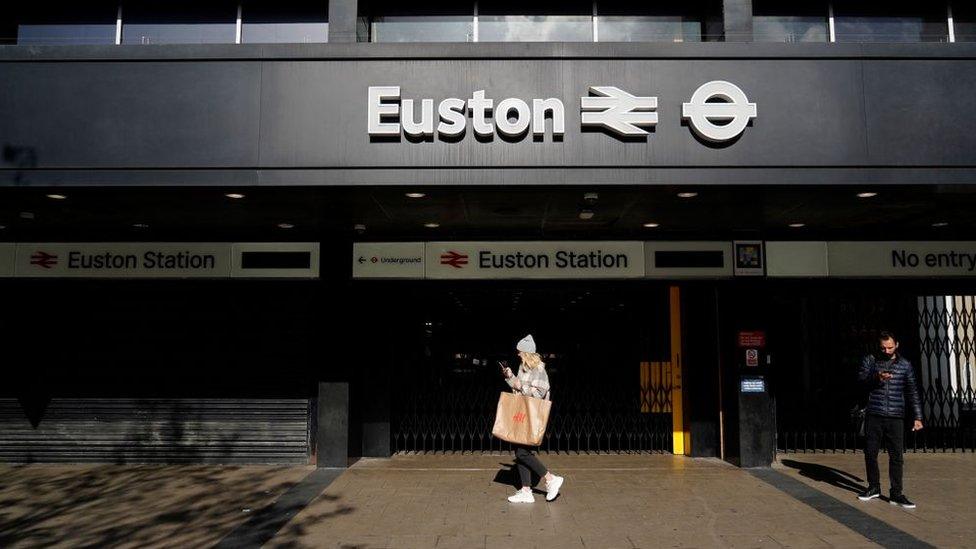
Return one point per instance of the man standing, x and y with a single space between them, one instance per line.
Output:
891 381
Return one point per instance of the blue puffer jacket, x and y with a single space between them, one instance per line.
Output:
887 398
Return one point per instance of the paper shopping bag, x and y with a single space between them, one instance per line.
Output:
521 419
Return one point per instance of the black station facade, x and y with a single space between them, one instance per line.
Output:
306 252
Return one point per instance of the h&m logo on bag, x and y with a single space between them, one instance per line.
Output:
519 417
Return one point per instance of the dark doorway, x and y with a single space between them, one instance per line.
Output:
605 344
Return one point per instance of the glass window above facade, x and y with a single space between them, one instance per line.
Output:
964 21
506 21
893 21
292 21
789 21
386 21
56 24
671 21
179 22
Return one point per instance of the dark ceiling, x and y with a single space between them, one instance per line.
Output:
329 213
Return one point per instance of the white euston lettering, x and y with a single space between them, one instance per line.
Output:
389 115
377 110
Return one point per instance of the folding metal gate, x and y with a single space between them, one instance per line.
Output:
936 334
457 416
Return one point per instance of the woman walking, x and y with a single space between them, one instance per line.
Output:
532 381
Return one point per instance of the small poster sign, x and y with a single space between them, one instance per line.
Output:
752 385
749 258
752 339
752 357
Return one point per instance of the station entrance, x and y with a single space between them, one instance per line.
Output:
607 348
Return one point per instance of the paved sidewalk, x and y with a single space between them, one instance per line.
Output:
459 501
943 486
134 505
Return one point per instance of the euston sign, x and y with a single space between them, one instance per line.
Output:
608 107
547 260
160 260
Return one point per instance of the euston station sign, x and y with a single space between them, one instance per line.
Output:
718 112
160 260
661 259
541 260
550 260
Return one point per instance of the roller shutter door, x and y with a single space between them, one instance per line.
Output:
74 430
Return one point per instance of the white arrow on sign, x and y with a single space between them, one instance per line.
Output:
618 111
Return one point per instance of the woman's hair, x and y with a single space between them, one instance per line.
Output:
530 360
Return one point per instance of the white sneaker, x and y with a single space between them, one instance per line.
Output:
553 486
522 496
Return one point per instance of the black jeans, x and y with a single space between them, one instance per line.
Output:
526 460
890 431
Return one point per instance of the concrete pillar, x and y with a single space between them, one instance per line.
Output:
757 421
376 412
342 20
738 20
332 425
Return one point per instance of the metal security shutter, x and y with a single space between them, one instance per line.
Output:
157 431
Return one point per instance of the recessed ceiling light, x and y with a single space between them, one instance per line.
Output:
286 226
57 196
868 194
652 225
140 225
586 214
798 225
432 225
941 224
416 195
687 195
2 227
235 196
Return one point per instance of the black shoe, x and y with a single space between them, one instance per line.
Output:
871 493
901 500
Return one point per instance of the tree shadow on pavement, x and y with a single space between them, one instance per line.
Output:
136 505
830 475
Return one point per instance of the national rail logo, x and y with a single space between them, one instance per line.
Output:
43 259
454 259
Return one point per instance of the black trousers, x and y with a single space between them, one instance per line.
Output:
525 461
889 431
